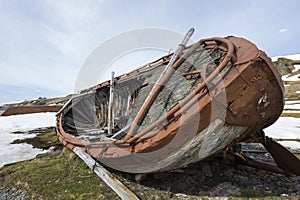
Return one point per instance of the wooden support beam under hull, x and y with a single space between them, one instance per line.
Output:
106 176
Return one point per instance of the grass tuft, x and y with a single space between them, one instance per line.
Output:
296 115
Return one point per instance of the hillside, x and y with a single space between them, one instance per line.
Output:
289 69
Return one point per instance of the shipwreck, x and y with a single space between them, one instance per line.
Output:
201 100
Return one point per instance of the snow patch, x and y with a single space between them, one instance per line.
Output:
11 153
291 78
26 122
285 128
297 68
292 57
291 111
292 105
292 102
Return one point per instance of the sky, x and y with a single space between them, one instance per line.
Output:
44 43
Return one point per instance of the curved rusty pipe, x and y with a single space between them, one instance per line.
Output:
185 101
157 89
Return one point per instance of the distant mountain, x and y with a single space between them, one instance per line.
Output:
41 101
289 68
290 56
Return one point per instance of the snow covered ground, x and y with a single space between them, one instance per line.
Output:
286 128
292 57
292 105
11 153
297 68
290 78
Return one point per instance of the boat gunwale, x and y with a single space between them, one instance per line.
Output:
212 43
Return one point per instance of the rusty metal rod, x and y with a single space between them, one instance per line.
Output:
188 100
165 75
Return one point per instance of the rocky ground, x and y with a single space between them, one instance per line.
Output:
12 193
286 67
218 178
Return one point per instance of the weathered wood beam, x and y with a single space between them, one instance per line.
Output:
106 176
111 104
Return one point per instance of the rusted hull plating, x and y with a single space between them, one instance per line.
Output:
222 91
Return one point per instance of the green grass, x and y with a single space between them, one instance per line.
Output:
296 115
60 177
67 177
250 193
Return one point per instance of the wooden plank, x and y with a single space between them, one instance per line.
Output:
106 176
111 104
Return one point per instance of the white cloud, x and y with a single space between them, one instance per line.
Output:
44 43
283 30
40 51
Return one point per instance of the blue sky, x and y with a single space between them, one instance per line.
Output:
43 43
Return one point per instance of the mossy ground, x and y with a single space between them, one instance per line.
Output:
60 177
296 115
65 176
46 137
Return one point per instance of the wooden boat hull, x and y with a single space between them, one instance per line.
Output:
213 108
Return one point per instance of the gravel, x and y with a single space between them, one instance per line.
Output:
12 194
